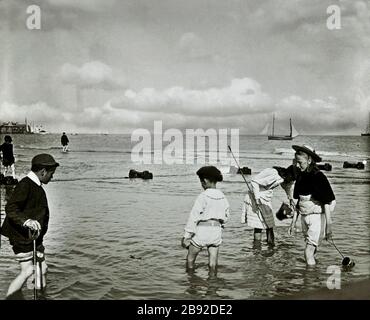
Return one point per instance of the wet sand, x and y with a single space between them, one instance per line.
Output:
353 291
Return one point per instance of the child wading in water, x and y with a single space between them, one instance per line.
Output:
206 220
27 219
257 207
8 157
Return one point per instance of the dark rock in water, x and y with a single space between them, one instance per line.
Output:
326 166
133 257
358 165
244 170
143 175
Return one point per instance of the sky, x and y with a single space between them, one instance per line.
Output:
114 66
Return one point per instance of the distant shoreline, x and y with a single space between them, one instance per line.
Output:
241 134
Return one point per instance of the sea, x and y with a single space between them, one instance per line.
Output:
114 238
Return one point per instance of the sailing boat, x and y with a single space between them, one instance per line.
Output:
39 130
292 134
367 133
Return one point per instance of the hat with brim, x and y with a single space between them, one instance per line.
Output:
308 150
44 159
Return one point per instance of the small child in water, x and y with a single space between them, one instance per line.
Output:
206 220
8 157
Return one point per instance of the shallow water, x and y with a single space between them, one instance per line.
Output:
116 238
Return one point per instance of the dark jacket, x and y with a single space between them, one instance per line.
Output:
316 184
64 140
28 201
8 156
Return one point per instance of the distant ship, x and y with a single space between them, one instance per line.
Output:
39 130
367 131
292 134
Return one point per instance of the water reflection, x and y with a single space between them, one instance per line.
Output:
204 288
258 249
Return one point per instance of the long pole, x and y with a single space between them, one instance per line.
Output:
336 248
246 182
34 270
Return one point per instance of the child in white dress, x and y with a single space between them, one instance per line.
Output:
257 208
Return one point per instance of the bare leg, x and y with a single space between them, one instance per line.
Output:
213 260
18 282
257 234
309 254
270 236
13 170
192 255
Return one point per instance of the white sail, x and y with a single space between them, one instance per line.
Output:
295 133
265 130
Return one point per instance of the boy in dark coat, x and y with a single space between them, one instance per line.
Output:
27 218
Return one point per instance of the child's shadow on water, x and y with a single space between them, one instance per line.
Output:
204 288
259 250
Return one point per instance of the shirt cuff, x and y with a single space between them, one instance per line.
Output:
188 235
24 224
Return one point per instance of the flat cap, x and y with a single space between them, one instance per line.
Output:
44 159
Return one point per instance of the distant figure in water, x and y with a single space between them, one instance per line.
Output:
206 220
8 157
64 141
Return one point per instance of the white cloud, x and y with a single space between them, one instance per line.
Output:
318 115
94 74
38 113
242 96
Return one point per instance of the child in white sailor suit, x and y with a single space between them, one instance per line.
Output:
206 220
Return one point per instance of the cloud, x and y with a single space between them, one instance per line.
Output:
242 96
37 113
113 120
318 115
94 74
